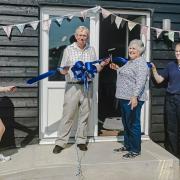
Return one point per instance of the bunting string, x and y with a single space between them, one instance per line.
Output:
119 21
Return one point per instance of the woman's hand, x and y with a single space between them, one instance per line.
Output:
153 66
133 102
157 77
114 66
154 70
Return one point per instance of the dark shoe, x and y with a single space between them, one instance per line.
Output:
121 149
130 155
82 147
57 149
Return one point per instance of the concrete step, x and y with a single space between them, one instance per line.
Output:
37 162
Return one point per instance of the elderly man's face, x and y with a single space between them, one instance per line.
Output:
134 51
81 38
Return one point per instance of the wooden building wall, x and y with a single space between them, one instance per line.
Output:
19 62
19 58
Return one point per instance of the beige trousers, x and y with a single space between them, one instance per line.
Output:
76 100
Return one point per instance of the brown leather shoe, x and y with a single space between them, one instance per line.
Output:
82 147
57 149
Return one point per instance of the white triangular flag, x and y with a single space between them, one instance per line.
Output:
95 9
105 13
20 27
144 30
158 32
7 30
113 17
70 16
131 25
171 35
60 20
118 21
34 24
46 24
84 14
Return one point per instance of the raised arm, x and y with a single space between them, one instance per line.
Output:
157 77
8 89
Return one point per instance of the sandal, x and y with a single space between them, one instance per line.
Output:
130 155
121 149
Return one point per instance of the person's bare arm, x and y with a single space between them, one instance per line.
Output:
157 77
8 89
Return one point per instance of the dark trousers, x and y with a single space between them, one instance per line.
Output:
132 126
172 124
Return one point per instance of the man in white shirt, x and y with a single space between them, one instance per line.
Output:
75 97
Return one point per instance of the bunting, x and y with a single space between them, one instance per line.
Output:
60 20
34 24
119 21
84 14
131 25
144 30
20 27
158 31
7 30
112 18
171 36
46 24
105 13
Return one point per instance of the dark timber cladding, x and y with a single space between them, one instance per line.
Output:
19 62
19 58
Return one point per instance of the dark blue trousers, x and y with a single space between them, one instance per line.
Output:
172 123
132 126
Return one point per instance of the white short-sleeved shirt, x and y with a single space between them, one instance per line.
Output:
72 54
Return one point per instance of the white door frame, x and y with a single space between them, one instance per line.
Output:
145 115
94 41
45 84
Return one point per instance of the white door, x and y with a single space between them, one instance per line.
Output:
52 88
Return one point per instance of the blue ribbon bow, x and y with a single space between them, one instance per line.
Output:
84 71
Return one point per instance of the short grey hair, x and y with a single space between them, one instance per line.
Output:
140 45
82 28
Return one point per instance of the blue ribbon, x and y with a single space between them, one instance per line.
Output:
84 71
124 61
43 76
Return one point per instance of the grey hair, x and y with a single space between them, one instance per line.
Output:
82 28
140 45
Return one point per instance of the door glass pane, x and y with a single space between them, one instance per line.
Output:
59 38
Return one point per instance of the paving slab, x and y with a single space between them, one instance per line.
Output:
37 162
